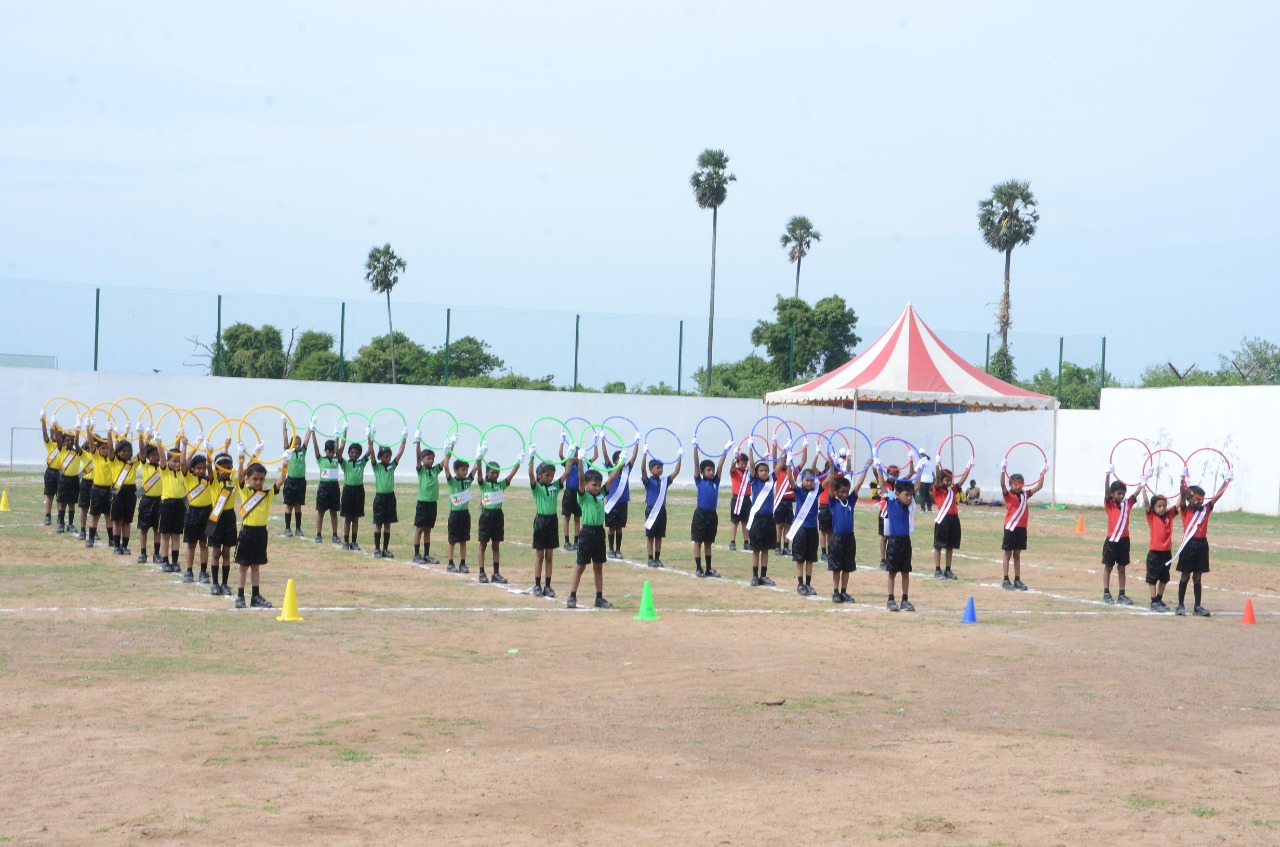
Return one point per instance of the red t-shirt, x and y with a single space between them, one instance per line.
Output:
1189 516
735 477
1015 514
947 499
1161 530
782 482
1118 517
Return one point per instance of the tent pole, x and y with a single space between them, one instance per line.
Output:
951 419
1053 492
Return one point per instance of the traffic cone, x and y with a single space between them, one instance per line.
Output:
1248 612
4 501
290 611
1080 525
970 616
646 612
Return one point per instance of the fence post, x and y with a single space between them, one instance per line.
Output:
448 327
97 314
342 344
987 366
217 342
1059 369
791 357
680 359
1102 371
577 339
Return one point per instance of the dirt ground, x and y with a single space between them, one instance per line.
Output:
418 707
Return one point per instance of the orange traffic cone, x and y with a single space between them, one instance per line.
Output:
1248 612
1080 525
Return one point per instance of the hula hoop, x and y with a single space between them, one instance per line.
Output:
1044 459
287 403
182 424
787 424
606 469
1150 462
403 423
653 458
456 429
737 451
316 412
94 409
629 422
913 448
125 412
453 422
245 419
937 457
484 438
150 411
765 437
568 433
536 454
726 426
802 473
163 415
230 436
59 409
342 419
65 400
1191 455
853 448
1111 460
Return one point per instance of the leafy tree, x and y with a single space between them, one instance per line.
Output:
310 343
710 185
1256 362
797 240
1001 366
753 376
1164 376
382 271
468 357
508 380
320 366
617 387
824 336
1007 219
372 362
661 389
251 352
1080 388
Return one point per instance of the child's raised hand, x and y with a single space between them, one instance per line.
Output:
728 445
42 417
519 457
1044 469
258 449
533 448
417 436
679 452
1111 469
1229 475
637 437
694 440
969 464
239 449
372 430
404 432
311 425
1004 464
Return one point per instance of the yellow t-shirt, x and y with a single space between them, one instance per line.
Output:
204 498
172 485
130 472
71 468
262 506
89 463
145 474
53 454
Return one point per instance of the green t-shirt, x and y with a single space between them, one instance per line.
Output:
459 494
384 478
546 498
353 472
329 469
592 508
429 483
297 464
491 493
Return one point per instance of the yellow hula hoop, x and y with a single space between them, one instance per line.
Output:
53 419
244 419
173 410
106 407
125 412
149 411
192 413
65 400
230 436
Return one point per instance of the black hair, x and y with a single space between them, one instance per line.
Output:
429 452
256 467
329 444
543 467
355 446
902 486
493 466
706 464
1117 485
654 463
198 459
617 454
742 457
593 476
223 459
1016 477
760 465
124 445
458 463
151 450
384 451
1196 490
843 482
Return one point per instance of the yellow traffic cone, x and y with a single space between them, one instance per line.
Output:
290 611
4 501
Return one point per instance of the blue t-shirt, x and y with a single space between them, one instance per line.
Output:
766 506
625 496
651 486
897 519
708 493
841 516
811 519
571 480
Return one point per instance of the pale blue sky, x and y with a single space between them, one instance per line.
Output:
538 154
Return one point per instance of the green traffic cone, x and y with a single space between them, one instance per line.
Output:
646 612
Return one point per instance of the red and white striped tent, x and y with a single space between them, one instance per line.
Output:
909 371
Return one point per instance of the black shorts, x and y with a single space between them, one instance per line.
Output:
783 513
1158 566
68 490
424 514
459 525
1194 557
804 547
251 547
1014 539
591 546
328 496
545 532
763 533
295 491
844 551
173 515
946 533
352 501
740 515
1116 552
124 503
492 526
195 524
100 500
51 476
86 489
384 509
148 513
569 503
703 527
880 525
659 528
824 517
897 553
222 533
616 518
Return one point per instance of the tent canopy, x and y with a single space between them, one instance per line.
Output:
909 371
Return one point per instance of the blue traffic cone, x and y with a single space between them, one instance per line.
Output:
969 615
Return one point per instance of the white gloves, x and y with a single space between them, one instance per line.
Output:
404 431
680 453
258 449
533 448
636 440
42 417
969 464
311 425
372 430
519 458
1229 475
239 449
728 445
1111 469
1044 469
417 436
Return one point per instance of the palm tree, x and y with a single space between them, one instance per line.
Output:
1007 219
798 238
710 185
382 271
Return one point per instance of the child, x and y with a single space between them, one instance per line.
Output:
591 540
295 482
706 521
124 491
220 533
150 480
740 482
842 560
493 525
569 501
384 497
617 500
545 488
761 529
424 515
899 521
1193 555
69 481
803 536
973 494
173 505
945 493
784 499
255 506
459 484
1115 550
1015 522
329 489
887 496
100 479
352 506
1160 551
54 454
89 456
927 468
198 479
655 504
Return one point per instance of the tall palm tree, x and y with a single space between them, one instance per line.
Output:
382 271
1007 219
710 185
798 238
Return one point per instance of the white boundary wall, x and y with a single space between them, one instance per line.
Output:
1235 420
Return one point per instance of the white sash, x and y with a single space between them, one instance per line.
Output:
782 489
252 503
66 463
493 497
87 469
197 491
220 504
461 498
150 482
945 508
120 477
744 485
1190 531
758 501
1122 522
1012 523
327 474
620 485
805 509
657 504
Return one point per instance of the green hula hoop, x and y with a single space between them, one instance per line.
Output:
531 440
341 414
485 437
456 429
403 423
605 468
341 423
285 407
418 426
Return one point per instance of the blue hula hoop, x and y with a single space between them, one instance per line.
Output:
767 437
653 458
914 449
568 432
631 423
726 426
804 474
852 451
